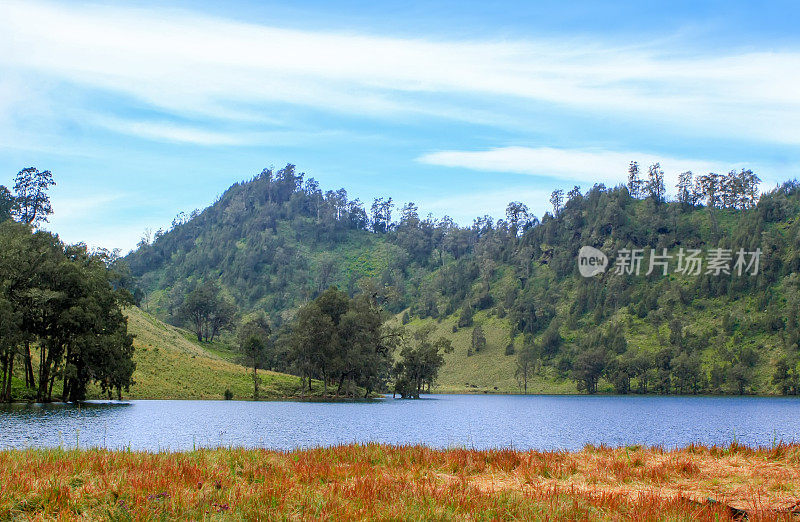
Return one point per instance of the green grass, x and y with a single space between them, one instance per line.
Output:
169 365
490 370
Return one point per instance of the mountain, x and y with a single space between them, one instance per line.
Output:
276 241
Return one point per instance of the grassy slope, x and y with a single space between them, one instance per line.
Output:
170 366
377 482
491 367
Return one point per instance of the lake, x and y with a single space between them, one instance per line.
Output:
442 421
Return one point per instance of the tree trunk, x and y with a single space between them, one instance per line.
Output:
44 374
341 382
9 378
255 382
30 381
3 380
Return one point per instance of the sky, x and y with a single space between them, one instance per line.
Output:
146 109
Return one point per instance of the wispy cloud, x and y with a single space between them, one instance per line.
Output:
77 207
186 63
167 131
573 165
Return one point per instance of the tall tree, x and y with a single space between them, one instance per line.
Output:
655 183
478 339
557 201
634 181
420 361
526 363
253 342
61 298
32 201
381 214
684 186
207 311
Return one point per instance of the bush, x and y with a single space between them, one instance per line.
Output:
510 349
228 394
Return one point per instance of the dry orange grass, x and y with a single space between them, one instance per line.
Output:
383 482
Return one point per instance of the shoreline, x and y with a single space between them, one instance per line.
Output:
293 398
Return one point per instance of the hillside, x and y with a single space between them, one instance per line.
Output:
170 366
276 241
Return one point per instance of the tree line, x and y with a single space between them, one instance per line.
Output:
277 242
60 305
344 342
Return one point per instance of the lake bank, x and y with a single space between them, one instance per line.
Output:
411 482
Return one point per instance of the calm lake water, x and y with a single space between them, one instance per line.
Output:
537 422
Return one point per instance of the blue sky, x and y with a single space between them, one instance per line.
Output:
146 109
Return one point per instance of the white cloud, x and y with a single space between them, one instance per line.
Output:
191 64
76 207
166 131
576 165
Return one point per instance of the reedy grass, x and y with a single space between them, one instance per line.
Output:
376 481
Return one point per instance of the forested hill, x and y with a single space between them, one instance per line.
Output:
509 291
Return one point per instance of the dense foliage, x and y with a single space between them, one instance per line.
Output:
57 303
277 242
60 305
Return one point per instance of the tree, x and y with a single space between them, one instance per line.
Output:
253 342
32 202
60 297
367 345
634 181
590 364
655 183
465 317
311 339
518 217
197 307
619 372
684 186
526 363
574 194
421 358
207 311
478 339
381 215
222 316
557 200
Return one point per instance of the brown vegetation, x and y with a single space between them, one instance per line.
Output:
384 482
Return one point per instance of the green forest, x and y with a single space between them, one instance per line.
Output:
274 244
700 293
61 306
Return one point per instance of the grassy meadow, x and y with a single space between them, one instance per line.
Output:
493 371
409 483
490 370
170 365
